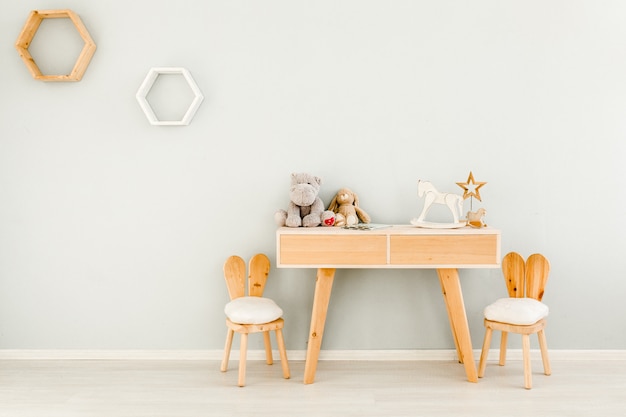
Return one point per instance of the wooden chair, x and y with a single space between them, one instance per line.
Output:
252 313
522 312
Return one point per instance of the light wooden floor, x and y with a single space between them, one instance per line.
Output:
130 388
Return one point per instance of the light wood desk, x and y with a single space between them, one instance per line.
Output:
397 246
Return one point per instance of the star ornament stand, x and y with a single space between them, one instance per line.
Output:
471 189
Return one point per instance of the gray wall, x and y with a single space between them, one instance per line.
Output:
113 232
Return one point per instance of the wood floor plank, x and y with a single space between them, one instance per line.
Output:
133 388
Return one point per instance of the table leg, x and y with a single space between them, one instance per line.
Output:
323 287
454 335
453 297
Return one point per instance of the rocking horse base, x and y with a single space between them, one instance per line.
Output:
433 225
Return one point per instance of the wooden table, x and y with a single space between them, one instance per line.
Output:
397 246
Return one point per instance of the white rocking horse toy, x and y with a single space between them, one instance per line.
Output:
431 196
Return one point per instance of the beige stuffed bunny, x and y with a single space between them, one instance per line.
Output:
346 206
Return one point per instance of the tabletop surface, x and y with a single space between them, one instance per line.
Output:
395 229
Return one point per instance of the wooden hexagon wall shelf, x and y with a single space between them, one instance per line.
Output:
147 84
28 33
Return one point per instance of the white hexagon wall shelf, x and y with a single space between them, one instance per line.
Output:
147 84
28 33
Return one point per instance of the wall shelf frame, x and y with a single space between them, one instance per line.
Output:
30 30
147 85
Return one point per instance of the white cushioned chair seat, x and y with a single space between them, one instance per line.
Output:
523 311
252 310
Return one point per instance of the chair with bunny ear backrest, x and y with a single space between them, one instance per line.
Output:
251 313
522 312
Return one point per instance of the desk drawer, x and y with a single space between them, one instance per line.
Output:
361 249
456 250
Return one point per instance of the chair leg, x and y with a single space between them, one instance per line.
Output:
503 340
229 343
544 352
528 378
242 359
283 353
268 348
483 355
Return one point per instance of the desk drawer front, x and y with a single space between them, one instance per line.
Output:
444 250
360 249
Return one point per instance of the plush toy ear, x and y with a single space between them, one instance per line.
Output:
356 199
333 204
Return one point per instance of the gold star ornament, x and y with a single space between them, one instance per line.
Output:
471 187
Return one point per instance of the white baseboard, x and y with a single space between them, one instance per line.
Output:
299 355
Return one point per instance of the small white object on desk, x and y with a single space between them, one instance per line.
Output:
431 196
433 225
